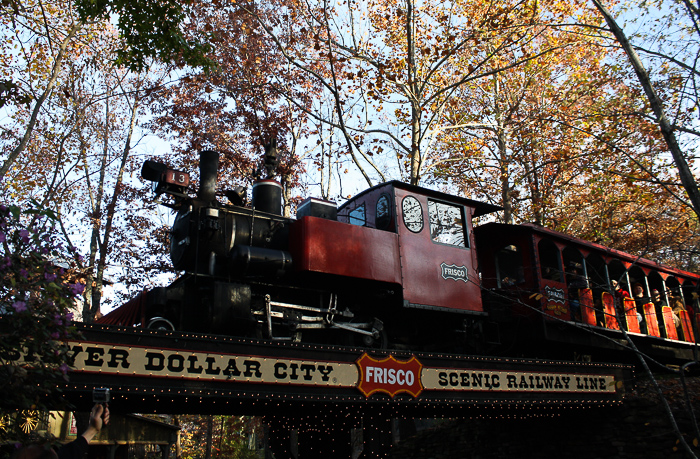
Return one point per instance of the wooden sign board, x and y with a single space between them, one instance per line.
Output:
630 308
652 320
669 324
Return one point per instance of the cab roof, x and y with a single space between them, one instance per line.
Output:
480 208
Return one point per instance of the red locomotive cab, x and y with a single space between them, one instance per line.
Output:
439 267
398 233
329 245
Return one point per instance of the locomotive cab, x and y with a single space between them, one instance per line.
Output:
417 243
420 240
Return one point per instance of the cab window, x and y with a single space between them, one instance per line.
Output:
447 223
382 218
358 216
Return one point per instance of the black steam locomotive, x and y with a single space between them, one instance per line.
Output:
401 266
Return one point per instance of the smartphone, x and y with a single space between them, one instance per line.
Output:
100 395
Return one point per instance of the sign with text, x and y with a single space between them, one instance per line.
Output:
389 375
181 364
515 381
368 374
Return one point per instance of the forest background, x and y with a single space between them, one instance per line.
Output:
531 105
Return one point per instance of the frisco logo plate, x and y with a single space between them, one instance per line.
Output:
389 375
454 272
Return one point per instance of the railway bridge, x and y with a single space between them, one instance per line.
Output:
320 399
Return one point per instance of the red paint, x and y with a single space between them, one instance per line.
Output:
610 314
555 299
587 309
671 332
630 307
652 320
422 260
328 246
687 326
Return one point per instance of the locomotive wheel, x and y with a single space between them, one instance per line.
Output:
380 342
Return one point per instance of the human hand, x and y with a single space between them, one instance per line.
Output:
99 417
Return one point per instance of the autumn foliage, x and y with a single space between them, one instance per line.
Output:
524 104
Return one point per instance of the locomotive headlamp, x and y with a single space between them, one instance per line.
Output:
167 180
152 170
237 196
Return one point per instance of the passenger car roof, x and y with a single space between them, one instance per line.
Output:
592 246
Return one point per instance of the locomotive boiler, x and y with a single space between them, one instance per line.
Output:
401 266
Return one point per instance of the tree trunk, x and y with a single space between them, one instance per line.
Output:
96 219
111 207
414 95
210 434
502 155
39 102
685 174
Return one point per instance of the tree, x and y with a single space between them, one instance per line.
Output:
38 288
222 436
77 161
45 43
236 108
656 103
555 136
518 138
391 70
151 31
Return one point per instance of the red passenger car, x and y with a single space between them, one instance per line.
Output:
554 286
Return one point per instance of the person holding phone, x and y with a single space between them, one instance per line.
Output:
99 418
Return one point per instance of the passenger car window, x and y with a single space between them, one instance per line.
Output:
509 266
357 216
550 261
447 223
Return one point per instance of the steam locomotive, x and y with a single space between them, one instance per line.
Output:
399 266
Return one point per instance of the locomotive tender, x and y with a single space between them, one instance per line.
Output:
397 265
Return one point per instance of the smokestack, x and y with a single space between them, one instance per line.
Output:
208 167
